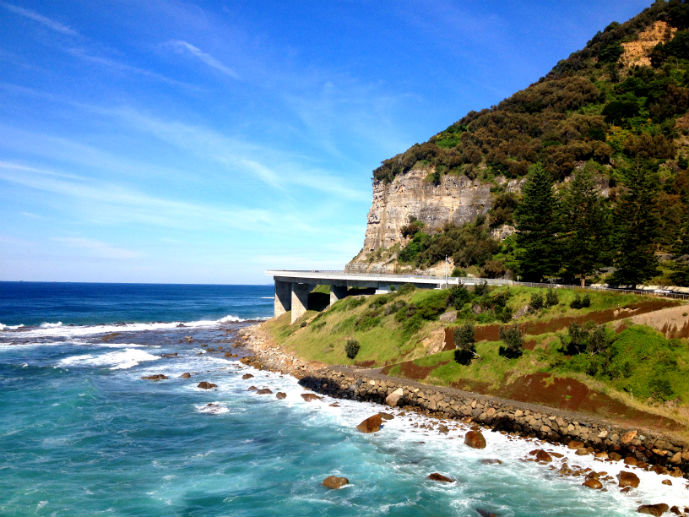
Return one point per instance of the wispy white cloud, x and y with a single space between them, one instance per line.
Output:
186 47
124 67
114 203
98 248
43 20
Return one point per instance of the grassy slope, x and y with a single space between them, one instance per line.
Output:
649 365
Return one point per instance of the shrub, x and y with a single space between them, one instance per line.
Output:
578 338
536 302
511 335
580 303
464 344
480 289
458 272
587 338
504 314
551 298
352 348
458 296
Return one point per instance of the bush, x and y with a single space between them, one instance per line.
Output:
504 314
511 335
536 302
458 296
587 338
480 289
464 344
578 338
352 348
458 271
551 298
580 303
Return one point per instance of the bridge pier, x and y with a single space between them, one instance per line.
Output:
337 292
300 300
283 298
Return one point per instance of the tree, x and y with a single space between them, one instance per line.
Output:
537 225
587 235
637 226
464 338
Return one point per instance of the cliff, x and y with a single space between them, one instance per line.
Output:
618 104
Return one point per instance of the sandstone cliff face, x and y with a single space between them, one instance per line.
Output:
457 200
637 52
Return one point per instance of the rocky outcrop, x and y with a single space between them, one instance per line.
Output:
653 509
638 51
456 199
204 385
335 482
371 424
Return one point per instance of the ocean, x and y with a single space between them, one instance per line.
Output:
81 433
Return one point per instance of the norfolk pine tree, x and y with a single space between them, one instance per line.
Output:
637 226
537 225
587 227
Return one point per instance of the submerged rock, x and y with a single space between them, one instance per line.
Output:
541 455
188 339
628 479
264 391
206 385
490 461
185 375
247 376
439 477
168 356
371 424
475 439
308 397
156 377
335 482
386 416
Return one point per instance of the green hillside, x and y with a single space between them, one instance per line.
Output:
615 113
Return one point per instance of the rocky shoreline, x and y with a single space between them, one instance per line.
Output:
643 448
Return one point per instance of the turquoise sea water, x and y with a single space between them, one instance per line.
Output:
82 434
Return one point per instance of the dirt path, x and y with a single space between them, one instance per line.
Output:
673 322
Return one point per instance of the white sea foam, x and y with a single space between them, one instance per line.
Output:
120 360
59 330
447 450
9 327
212 408
78 342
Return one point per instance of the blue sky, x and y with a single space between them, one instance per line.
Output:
205 142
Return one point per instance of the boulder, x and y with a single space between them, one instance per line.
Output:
335 482
371 424
393 398
188 339
156 377
575 444
593 483
653 509
386 416
628 437
491 461
443 429
185 375
308 397
541 455
264 391
475 439
206 385
280 395
168 356
439 477
247 376
628 479
448 317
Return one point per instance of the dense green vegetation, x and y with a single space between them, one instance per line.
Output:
621 130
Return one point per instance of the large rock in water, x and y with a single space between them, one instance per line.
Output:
335 482
627 479
185 375
393 398
653 509
371 424
439 477
308 397
280 395
206 385
264 391
593 483
475 439
156 377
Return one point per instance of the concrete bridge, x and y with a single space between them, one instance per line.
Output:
292 288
